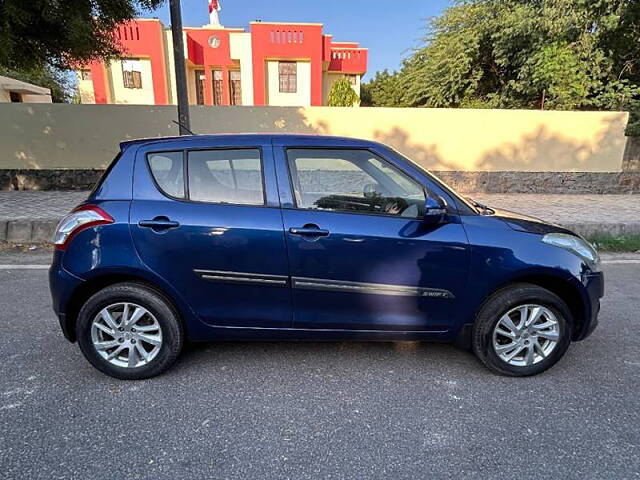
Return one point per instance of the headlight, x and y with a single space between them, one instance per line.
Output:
576 245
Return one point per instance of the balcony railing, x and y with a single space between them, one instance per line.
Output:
348 60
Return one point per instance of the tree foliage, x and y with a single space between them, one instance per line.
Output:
61 33
554 54
633 125
342 95
383 90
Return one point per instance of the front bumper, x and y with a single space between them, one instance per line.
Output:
593 284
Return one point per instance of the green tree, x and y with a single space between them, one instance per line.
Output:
342 95
384 90
556 54
35 34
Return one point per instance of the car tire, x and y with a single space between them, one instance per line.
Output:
489 341
159 315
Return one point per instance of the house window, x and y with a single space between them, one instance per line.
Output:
132 73
235 88
353 79
288 73
217 87
85 74
15 97
200 80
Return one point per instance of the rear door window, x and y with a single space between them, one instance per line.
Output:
226 176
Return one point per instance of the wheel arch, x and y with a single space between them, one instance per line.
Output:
93 285
563 288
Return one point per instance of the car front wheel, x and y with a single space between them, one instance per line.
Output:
129 331
522 330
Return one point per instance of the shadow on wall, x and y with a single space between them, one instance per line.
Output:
425 156
546 151
57 136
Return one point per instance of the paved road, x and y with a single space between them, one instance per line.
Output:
335 410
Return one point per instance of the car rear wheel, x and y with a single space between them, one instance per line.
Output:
522 330
129 331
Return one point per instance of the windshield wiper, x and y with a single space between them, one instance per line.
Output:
483 209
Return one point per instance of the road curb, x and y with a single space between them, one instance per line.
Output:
28 230
41 230
588 229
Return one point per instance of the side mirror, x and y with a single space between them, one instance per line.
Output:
435 209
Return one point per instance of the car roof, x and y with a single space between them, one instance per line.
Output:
263 138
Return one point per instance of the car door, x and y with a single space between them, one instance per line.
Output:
361 257
214 234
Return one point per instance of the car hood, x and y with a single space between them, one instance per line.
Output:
524 223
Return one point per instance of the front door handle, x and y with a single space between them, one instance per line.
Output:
159 223
309 231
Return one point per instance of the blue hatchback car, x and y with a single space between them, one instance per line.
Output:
290 237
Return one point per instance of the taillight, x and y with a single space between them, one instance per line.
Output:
83 217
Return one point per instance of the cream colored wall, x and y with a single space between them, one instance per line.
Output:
328 79
132 96
489 140
5 97
301 98
191 84
87 136
171 69
35 98
240 45
85 88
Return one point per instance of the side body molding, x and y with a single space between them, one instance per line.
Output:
304 283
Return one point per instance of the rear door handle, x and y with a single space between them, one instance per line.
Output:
159 223
309 231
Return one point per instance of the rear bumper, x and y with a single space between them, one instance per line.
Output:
66 328
62 284
593 284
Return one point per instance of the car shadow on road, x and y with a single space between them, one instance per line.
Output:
338 356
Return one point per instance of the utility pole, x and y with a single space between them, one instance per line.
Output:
181 74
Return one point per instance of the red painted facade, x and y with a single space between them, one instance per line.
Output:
209 49
286 42
144 39
201 54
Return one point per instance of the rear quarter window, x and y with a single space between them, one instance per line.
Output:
167 171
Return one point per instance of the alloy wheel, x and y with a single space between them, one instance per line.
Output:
126 335
526 335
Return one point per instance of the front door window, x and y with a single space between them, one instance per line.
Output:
356 181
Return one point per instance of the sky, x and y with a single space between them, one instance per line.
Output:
388 29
